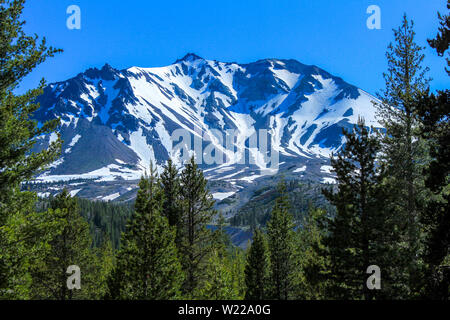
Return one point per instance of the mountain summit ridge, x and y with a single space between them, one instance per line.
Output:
114 122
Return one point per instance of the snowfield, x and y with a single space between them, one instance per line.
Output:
222 195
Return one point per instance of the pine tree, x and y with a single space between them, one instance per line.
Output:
71 246
196 240
281 240
218 281
170 184
100 270
257 269
434 112
312 274
237 265
22 231
356 236
147 265
403 150
442 40
222 241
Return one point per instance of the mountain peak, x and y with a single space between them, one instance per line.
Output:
106 72
107 67
189 57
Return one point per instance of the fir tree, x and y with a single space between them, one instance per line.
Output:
257 269
71 246
237 266
222 241
355 238
170 184
312 274
100 270
442 40
280 231
218 281
22 231
196 240
434 112
435 215
403 150
147 265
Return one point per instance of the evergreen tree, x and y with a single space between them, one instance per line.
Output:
403 149
281 240
434 112
218 281
312 274
22 231
170 184
100 270
237 265
442 40
147 265
356 236
196 240
257 269
71 246
222 241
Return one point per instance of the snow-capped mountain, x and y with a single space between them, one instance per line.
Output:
114 122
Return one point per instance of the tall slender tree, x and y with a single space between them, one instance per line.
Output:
403 149
71 246
312 274
281 239
355 239
196 239
434 113
21 231
147 265
170 184
257 269
218 281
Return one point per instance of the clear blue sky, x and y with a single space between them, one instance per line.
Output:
328 33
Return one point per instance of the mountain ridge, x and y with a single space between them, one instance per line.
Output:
114 122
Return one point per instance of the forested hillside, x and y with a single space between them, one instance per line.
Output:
302 195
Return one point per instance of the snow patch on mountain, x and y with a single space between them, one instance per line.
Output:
222 195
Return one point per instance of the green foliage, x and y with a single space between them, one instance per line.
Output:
442 40
197 212
281 239
256 212
313 273
257 269
147 265
107 220
220 281
434 112
21 229
71 245
357 234
24 240
170 184
404 152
